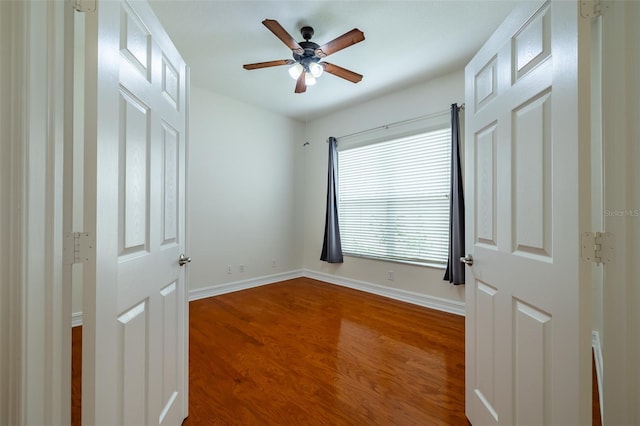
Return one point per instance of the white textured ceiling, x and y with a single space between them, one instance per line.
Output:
406 42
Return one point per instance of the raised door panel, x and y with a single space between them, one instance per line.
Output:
485 350
532 178
170 172
135 41
133 355
170 346
133 175
532 364
486 186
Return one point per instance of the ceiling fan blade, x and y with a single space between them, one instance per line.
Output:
342 72
275 27
258 65
301 86
345 40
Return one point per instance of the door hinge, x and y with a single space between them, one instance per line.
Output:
597 247
593 8
77 247
84 5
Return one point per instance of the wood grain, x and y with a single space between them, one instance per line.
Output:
303 352
306 352
76 376
595 394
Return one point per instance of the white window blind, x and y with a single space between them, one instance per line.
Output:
393 198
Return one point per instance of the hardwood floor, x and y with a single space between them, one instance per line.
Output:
305 352
76 376
595 395
302 352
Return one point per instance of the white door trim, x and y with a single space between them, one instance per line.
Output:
620 342
40 337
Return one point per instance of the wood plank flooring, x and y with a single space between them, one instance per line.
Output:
303 352
595 395
76 376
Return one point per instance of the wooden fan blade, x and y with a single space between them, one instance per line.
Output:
301 86
342 72
345 40
275 27
258 65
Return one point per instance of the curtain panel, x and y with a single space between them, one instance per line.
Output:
455 269
332 247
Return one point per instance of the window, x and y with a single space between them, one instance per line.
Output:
394 198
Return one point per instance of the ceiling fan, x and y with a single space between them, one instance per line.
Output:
307 55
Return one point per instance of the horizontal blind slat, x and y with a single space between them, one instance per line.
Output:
394 198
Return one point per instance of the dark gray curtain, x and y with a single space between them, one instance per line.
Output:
332 247
455 269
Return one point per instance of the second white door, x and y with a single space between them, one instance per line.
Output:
528 324
135 343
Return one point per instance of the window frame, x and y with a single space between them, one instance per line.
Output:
391 133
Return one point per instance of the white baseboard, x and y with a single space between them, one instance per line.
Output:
432 302
597 353
216 290
393 293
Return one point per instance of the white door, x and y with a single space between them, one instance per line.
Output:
135 308
528 334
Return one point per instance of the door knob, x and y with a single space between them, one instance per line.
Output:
183 260
467 260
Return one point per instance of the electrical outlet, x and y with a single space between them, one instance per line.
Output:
241 268
228 269
274 263
390 275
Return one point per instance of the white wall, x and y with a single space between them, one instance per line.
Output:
434 96
242 205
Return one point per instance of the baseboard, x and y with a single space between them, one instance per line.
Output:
432 302
76 319
437 303
597 353
216 290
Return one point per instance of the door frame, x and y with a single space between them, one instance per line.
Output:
36 130
620 91
38 350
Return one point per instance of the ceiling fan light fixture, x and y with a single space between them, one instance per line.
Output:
316 69
295 71
306 64
309 79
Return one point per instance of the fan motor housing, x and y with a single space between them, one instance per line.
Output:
307 32
309 54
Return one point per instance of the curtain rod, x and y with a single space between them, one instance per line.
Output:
399 123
